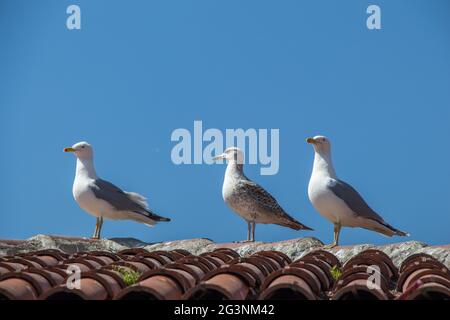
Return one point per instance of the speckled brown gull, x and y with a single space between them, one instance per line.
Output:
249 200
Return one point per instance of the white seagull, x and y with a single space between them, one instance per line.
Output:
338 201
249 200
101 198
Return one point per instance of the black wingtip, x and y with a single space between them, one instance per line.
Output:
396 231
156 217
159 218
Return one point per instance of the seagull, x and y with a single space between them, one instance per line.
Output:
338 201
249 200
101 198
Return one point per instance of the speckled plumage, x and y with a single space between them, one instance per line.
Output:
250 201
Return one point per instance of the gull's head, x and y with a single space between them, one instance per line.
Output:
82 150
231 154
321 144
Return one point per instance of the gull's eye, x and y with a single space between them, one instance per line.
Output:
82 147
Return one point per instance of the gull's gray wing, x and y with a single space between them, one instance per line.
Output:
120 200
357 204
114 196
353 200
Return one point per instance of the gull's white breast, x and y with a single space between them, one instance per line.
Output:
86 199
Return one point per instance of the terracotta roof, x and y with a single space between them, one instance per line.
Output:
226 271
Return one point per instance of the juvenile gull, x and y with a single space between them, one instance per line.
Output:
338 201
249 200
101 198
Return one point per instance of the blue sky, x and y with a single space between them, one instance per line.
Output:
137 70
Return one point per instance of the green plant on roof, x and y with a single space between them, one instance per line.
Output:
336 273
128 275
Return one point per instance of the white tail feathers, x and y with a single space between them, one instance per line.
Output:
140 199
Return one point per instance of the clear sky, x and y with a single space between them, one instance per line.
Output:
137 70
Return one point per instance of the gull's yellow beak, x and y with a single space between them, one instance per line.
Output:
311 140
219 157
69 150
